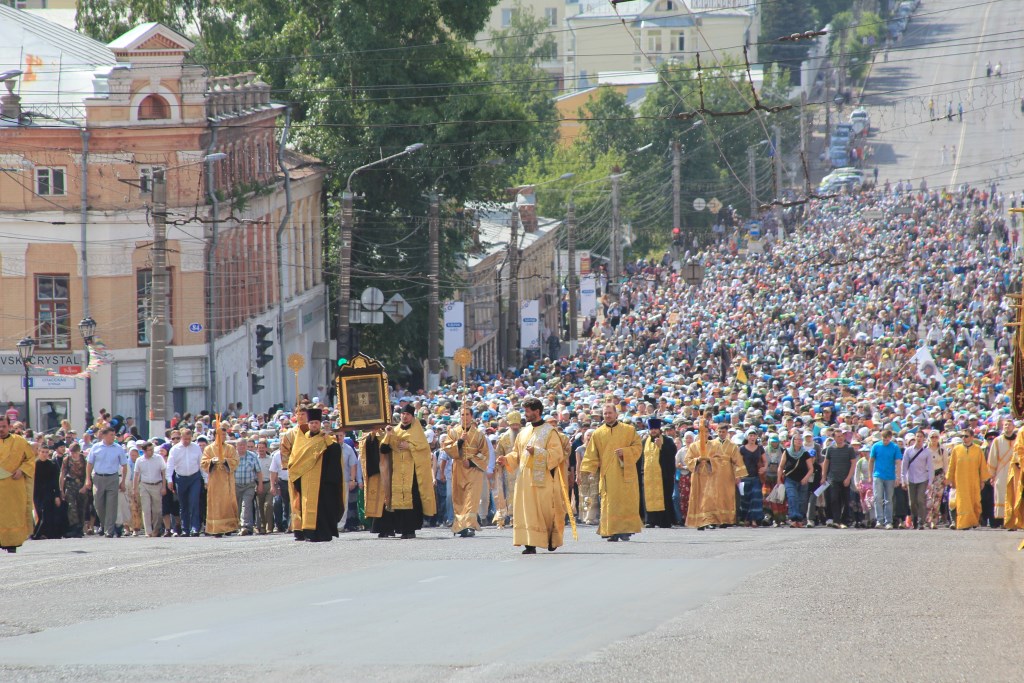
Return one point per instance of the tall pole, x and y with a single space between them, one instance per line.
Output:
616 267
212 322
677 162
83 238
803 133
434 301
344 274
752 181
570 227
778 180
158 328
28 406
512 344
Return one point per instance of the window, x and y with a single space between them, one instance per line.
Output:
146 178
678 41
50 182
154 107
506 18
144 304
53 306
666 6
551 15
654 42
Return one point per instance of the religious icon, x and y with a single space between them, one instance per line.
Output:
363 394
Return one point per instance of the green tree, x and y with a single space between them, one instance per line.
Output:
610 124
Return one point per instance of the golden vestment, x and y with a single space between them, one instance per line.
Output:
1014 518
409 464
221 503
289 441
376 476
999 455
538 513
304 469
16 523
504 481
618 484
713 468
469 465
967 471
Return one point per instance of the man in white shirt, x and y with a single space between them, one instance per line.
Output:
185 479
354 484
279 488
264 496
150 486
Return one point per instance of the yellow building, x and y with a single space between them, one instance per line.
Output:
638 35
551 12
83 128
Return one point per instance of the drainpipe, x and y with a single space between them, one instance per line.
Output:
211 249
280 257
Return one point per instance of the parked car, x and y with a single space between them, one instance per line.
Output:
861 122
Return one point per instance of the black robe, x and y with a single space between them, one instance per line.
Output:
45 491
329 501
667 459
402 521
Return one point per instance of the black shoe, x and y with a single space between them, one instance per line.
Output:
300 535
383 535
530 550
10 548
613 539
411 534
551 548
648 526
464 533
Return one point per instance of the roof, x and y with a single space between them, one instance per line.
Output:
137 38
683 11
58 63
496 231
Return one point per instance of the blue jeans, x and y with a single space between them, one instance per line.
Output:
796 499
883 489
283 507
188 490
677 515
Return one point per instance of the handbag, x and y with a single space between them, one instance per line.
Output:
777 495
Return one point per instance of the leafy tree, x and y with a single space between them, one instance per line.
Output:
610 124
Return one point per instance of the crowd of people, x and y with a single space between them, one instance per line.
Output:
850 372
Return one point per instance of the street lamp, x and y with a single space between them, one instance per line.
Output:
87 327
345 252
26 349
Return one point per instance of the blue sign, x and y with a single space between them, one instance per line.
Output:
195 327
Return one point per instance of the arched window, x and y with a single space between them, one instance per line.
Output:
154 107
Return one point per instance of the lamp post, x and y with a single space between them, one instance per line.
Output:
26 349
345 252
87 327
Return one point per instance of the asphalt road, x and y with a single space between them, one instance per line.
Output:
726 605
942 57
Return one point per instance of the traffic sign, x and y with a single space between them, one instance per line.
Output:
397 308
69 369
714 206
372 298
699 204
195 327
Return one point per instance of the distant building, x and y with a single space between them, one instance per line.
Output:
82 131
552 12
638 35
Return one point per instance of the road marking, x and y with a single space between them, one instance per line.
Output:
331 602
970 99
432 579
175 636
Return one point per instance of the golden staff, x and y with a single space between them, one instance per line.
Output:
568 505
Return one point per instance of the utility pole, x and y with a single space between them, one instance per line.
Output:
434 301
778 181
570 226
344 274
512 318
158 325
803 135
752 181
616 266
677 161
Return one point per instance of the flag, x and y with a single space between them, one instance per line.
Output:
926 366
741 374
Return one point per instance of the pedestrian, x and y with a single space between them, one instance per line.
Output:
937 488
412 486
315 469
279 487
538 460
960 111
919 462
504 481
612 454
466 445
73 491
885 461
46 496
353 483
968 472
107 472
795 471
185 480
16 458
264 496
149 485
1000 453
220 462
248 482
755 464
837 472
659 466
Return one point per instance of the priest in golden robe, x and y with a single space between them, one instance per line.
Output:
219 461
968 471
999 455
612 454
504 482
712 481
376 468
412 478
1014 489
538 513
467 447
316 469
17 470
289 440
659 475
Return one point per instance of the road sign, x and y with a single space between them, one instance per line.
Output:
397 308
372 298
463 357
69 369
699 204
49 382
296 362
714 206
195 327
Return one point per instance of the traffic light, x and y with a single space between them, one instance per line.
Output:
262 344
677 236
255 380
